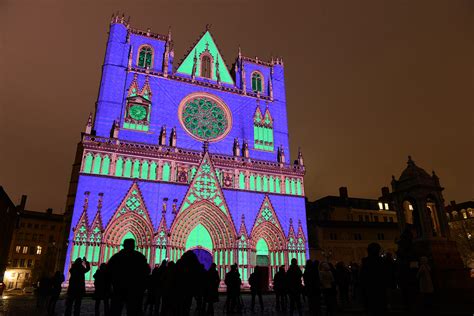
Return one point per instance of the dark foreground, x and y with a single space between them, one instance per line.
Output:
26 305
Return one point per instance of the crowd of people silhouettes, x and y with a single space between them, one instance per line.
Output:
126 283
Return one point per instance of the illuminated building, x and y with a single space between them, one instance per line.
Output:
187 156
341 227
36 247
461 224
8 214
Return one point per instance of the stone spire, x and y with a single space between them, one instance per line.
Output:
166 56
300 157
236 148
114 132
173 137
218 75
130 59
163 136
89 125
245 149
281 155
193 75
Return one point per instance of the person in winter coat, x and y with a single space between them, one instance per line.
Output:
425 283
280 288
295 287
211 295
77 286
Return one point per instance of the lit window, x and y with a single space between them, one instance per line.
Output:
17 249
25 249
257 82
386 206
38 250
464 214
410 207
380 206
469 236
145 57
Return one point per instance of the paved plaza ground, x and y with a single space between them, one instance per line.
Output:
26 305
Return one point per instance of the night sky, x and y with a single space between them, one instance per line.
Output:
368 83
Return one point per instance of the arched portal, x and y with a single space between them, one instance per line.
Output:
199 238
262 253
268 239
128 225
204 225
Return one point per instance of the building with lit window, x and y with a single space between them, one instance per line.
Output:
35 248
8 214
461 224
187 155
341 227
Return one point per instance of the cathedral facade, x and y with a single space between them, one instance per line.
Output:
185 156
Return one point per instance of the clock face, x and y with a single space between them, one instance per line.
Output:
137 112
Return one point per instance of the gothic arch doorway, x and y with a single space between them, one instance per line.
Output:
204 226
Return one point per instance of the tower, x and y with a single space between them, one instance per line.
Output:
187 157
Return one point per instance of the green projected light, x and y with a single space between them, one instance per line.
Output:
137 112
205 117
206 44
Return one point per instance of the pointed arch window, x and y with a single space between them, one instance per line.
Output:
206 66
145 57
263 130
257 79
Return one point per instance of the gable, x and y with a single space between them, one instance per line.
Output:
205 187
206 44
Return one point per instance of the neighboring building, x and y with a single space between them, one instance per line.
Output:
8 220
341 227
187 156
461 224
35 247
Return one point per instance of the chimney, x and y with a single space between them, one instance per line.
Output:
385 191
49 211
343 192
22 203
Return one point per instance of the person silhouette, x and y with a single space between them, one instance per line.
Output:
56 281
200 289
328 287
212 288
170 291
77 286
102 289
233 282
295 287
128 271
312 286
256 287
373 278
280 288
157 285
187 268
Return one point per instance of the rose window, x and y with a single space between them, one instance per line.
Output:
205 117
